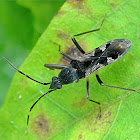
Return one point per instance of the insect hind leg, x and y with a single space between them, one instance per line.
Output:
77 44
102 84
93 100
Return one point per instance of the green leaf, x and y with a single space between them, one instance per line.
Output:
66 113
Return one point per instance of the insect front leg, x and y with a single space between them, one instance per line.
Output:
54 66
65 55
92 100
102 84
77 44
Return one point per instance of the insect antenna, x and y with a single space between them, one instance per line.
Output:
35 104
24 73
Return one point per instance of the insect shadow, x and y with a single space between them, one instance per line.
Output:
85 65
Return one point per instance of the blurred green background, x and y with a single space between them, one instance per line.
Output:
21 24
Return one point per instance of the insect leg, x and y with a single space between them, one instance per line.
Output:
24 73
54 66
65 55
76 43
92 100
35 104
102 84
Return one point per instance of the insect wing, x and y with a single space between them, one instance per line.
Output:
103 55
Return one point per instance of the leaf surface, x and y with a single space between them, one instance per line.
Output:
66 113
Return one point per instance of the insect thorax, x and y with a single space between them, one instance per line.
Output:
68 75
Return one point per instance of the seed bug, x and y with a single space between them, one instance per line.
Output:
84 66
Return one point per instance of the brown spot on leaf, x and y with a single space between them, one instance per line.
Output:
59 13
80 103
73 52
95 124
40 125
75 1
80 136
79 4
62 35
109 113
113 5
